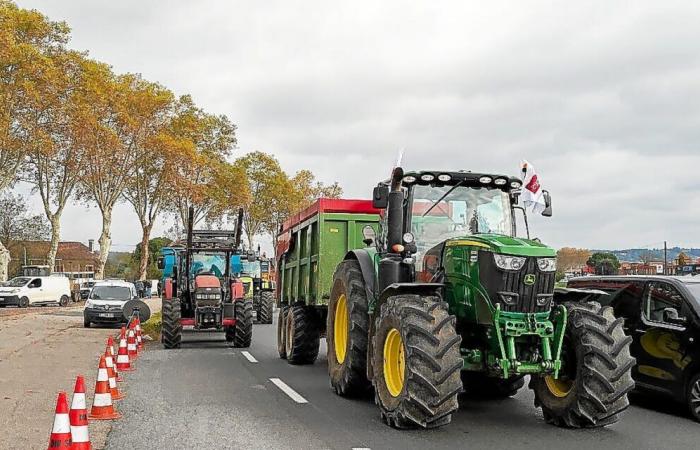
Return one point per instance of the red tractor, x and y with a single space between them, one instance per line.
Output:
202 292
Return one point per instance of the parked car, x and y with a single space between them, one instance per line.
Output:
25 291
662 314
105 304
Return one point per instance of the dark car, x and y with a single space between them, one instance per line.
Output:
662 314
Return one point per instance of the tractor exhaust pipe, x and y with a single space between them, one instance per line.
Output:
239 229
395 210
188 261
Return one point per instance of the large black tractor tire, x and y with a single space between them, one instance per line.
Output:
480 386
347 328
243 329
597 375
267 302
417 334
302 336
171 331
282 331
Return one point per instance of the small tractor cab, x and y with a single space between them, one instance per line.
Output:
203 292
455 300
255 275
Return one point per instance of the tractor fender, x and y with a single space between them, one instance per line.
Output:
367 268
237 291
390 291
168 289
562 295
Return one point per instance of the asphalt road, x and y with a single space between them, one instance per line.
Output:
208 395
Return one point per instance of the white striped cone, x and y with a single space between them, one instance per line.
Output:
60 433
139 341
78 418
116 395
109 354
131 344
123 360
102 406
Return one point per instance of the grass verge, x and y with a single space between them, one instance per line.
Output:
152 326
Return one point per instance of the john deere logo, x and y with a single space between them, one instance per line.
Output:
529 279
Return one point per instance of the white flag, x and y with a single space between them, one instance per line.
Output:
531 195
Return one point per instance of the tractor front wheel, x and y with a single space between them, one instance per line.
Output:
591 390
348 327
302 339
171 332
243 329
267 301
416 362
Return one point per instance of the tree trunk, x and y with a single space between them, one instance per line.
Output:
250 242
4 262
55 239
145 237
105 242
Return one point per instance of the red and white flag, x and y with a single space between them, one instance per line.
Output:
531 195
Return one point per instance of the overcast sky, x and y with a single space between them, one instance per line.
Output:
602 97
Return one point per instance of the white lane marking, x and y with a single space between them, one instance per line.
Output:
361 448
291 393
249 357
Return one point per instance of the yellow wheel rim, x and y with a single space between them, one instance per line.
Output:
557 387
340 329
394 362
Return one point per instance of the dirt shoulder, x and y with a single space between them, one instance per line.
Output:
41 352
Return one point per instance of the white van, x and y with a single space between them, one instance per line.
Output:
25 291
106 301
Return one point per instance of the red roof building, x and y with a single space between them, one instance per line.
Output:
71 256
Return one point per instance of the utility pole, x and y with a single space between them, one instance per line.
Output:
665 259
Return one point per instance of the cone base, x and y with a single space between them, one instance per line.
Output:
112 416
118 396
130 369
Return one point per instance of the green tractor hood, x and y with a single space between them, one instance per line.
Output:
506 245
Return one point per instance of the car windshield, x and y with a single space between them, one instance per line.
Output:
463 211
251 269
110 293
213 263
18 282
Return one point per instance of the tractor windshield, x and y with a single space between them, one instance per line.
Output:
463 211
209 263
252 269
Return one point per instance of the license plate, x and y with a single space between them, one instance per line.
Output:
105 315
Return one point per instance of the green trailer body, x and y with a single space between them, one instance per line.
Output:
313 242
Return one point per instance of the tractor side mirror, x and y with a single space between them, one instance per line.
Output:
380 197
160 263
368 234
547 204
670 315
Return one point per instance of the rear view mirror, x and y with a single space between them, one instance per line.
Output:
547 204
160 263
380 197
670 315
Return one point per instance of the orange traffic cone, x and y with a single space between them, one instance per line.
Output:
78 417
60 433
139 340
102 406
123 361
116 395
109 354
131 344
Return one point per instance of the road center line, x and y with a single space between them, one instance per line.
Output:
291 393
361 448
249 357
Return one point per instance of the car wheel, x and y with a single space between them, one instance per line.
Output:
64 300
23 302
86 322
694 397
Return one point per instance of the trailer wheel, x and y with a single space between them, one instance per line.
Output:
416 362
267 301
171 332
478 385
243 330
596 376
281 331
302 340
347 331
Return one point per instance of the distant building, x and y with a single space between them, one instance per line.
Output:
71 256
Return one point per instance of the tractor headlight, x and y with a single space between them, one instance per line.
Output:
507 262
408 238
201 296
547 264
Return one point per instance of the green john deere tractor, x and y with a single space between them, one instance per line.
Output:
258 287
446 298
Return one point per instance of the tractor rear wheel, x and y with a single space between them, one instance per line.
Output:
416 362
591 390
478 385
302 338
171 332
282 331
347 331
267 302
243 329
